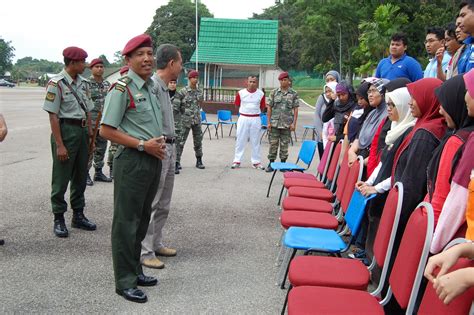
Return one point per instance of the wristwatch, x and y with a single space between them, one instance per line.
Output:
141 146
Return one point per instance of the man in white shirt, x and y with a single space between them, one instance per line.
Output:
251 101
439 60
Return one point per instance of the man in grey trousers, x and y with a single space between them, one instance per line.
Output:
169 65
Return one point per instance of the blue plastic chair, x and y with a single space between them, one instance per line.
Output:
264 122
327 241
307 128
224 117
306 154
206 123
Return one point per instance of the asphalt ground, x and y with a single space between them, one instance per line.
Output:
221 223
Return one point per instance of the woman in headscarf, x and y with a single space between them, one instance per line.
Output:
449 198
320 107
361 144
329 96
340 110
359 114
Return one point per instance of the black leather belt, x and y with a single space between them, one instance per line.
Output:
170 140
70 121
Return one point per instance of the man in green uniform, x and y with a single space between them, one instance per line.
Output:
114 146
283 113
132 118
99 89
188 103
68 104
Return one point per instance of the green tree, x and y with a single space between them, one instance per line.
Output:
118 58
105 60
6 55
28 68
175 23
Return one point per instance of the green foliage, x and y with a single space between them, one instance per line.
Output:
6 55
118 59
175 23
105 60
28 68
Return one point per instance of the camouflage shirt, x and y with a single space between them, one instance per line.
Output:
98 93
282 105
187 102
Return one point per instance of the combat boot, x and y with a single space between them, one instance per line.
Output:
176 168
199 164
269 168
100 177
79 221
178 165
89 181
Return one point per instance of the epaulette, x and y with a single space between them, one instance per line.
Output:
124 81
54 81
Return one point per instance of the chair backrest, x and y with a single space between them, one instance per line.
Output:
353 175
386 232
307 151
203 116
355 212
407 271
224 115
264 120
342 177
334 160
323 163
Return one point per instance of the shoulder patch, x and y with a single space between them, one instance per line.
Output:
50 96
52 83
119 88
125 80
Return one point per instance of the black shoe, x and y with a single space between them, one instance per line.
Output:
133 294
89 181
178 165
2 242
100 177
269 168
146 281
111 173
176 169
81 222
199 164
60 229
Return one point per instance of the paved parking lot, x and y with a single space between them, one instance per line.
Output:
224 228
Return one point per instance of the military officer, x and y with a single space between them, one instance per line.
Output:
169 65
132 118
114 146
283 114
99 89
68 104
188 103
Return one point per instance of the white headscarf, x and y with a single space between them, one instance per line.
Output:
400 97
332 85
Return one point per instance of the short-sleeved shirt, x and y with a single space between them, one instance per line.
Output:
160 89
404 67
61 101
188 102
141 118
431 70
282 104
98 93
466 61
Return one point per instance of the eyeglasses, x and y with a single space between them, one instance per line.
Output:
431 40
390 104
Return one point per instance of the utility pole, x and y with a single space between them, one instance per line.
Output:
340 49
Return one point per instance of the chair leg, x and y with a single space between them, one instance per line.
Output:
230 131
281 194
286 257
294 132
286 300
291 140
209 131
304 134
217 131
288 269
271 181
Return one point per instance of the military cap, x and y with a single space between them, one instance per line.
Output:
139 41
75 53
283 75
96 61
193 74
123 69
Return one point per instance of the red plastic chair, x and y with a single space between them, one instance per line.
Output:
404 279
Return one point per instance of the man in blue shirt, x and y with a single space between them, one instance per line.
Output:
466 15
439 57
399 64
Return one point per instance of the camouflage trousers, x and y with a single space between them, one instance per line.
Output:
183 136
99 153
279 137
112 149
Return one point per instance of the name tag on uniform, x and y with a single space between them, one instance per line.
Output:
140 98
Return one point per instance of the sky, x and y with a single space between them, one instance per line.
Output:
42 29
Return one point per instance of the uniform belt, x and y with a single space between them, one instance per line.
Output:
170 140
250 115
70 121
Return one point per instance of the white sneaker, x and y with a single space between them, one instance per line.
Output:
235 165
258 166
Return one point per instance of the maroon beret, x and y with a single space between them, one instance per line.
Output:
139 41
193 74
96 61
283 75
123 70
75 53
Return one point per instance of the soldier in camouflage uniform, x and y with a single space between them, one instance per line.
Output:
99 89
283 113
187 102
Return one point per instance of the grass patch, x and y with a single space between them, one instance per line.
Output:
309 96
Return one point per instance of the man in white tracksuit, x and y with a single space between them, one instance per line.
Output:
251 101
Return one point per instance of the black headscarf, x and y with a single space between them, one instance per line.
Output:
451 97
396 84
